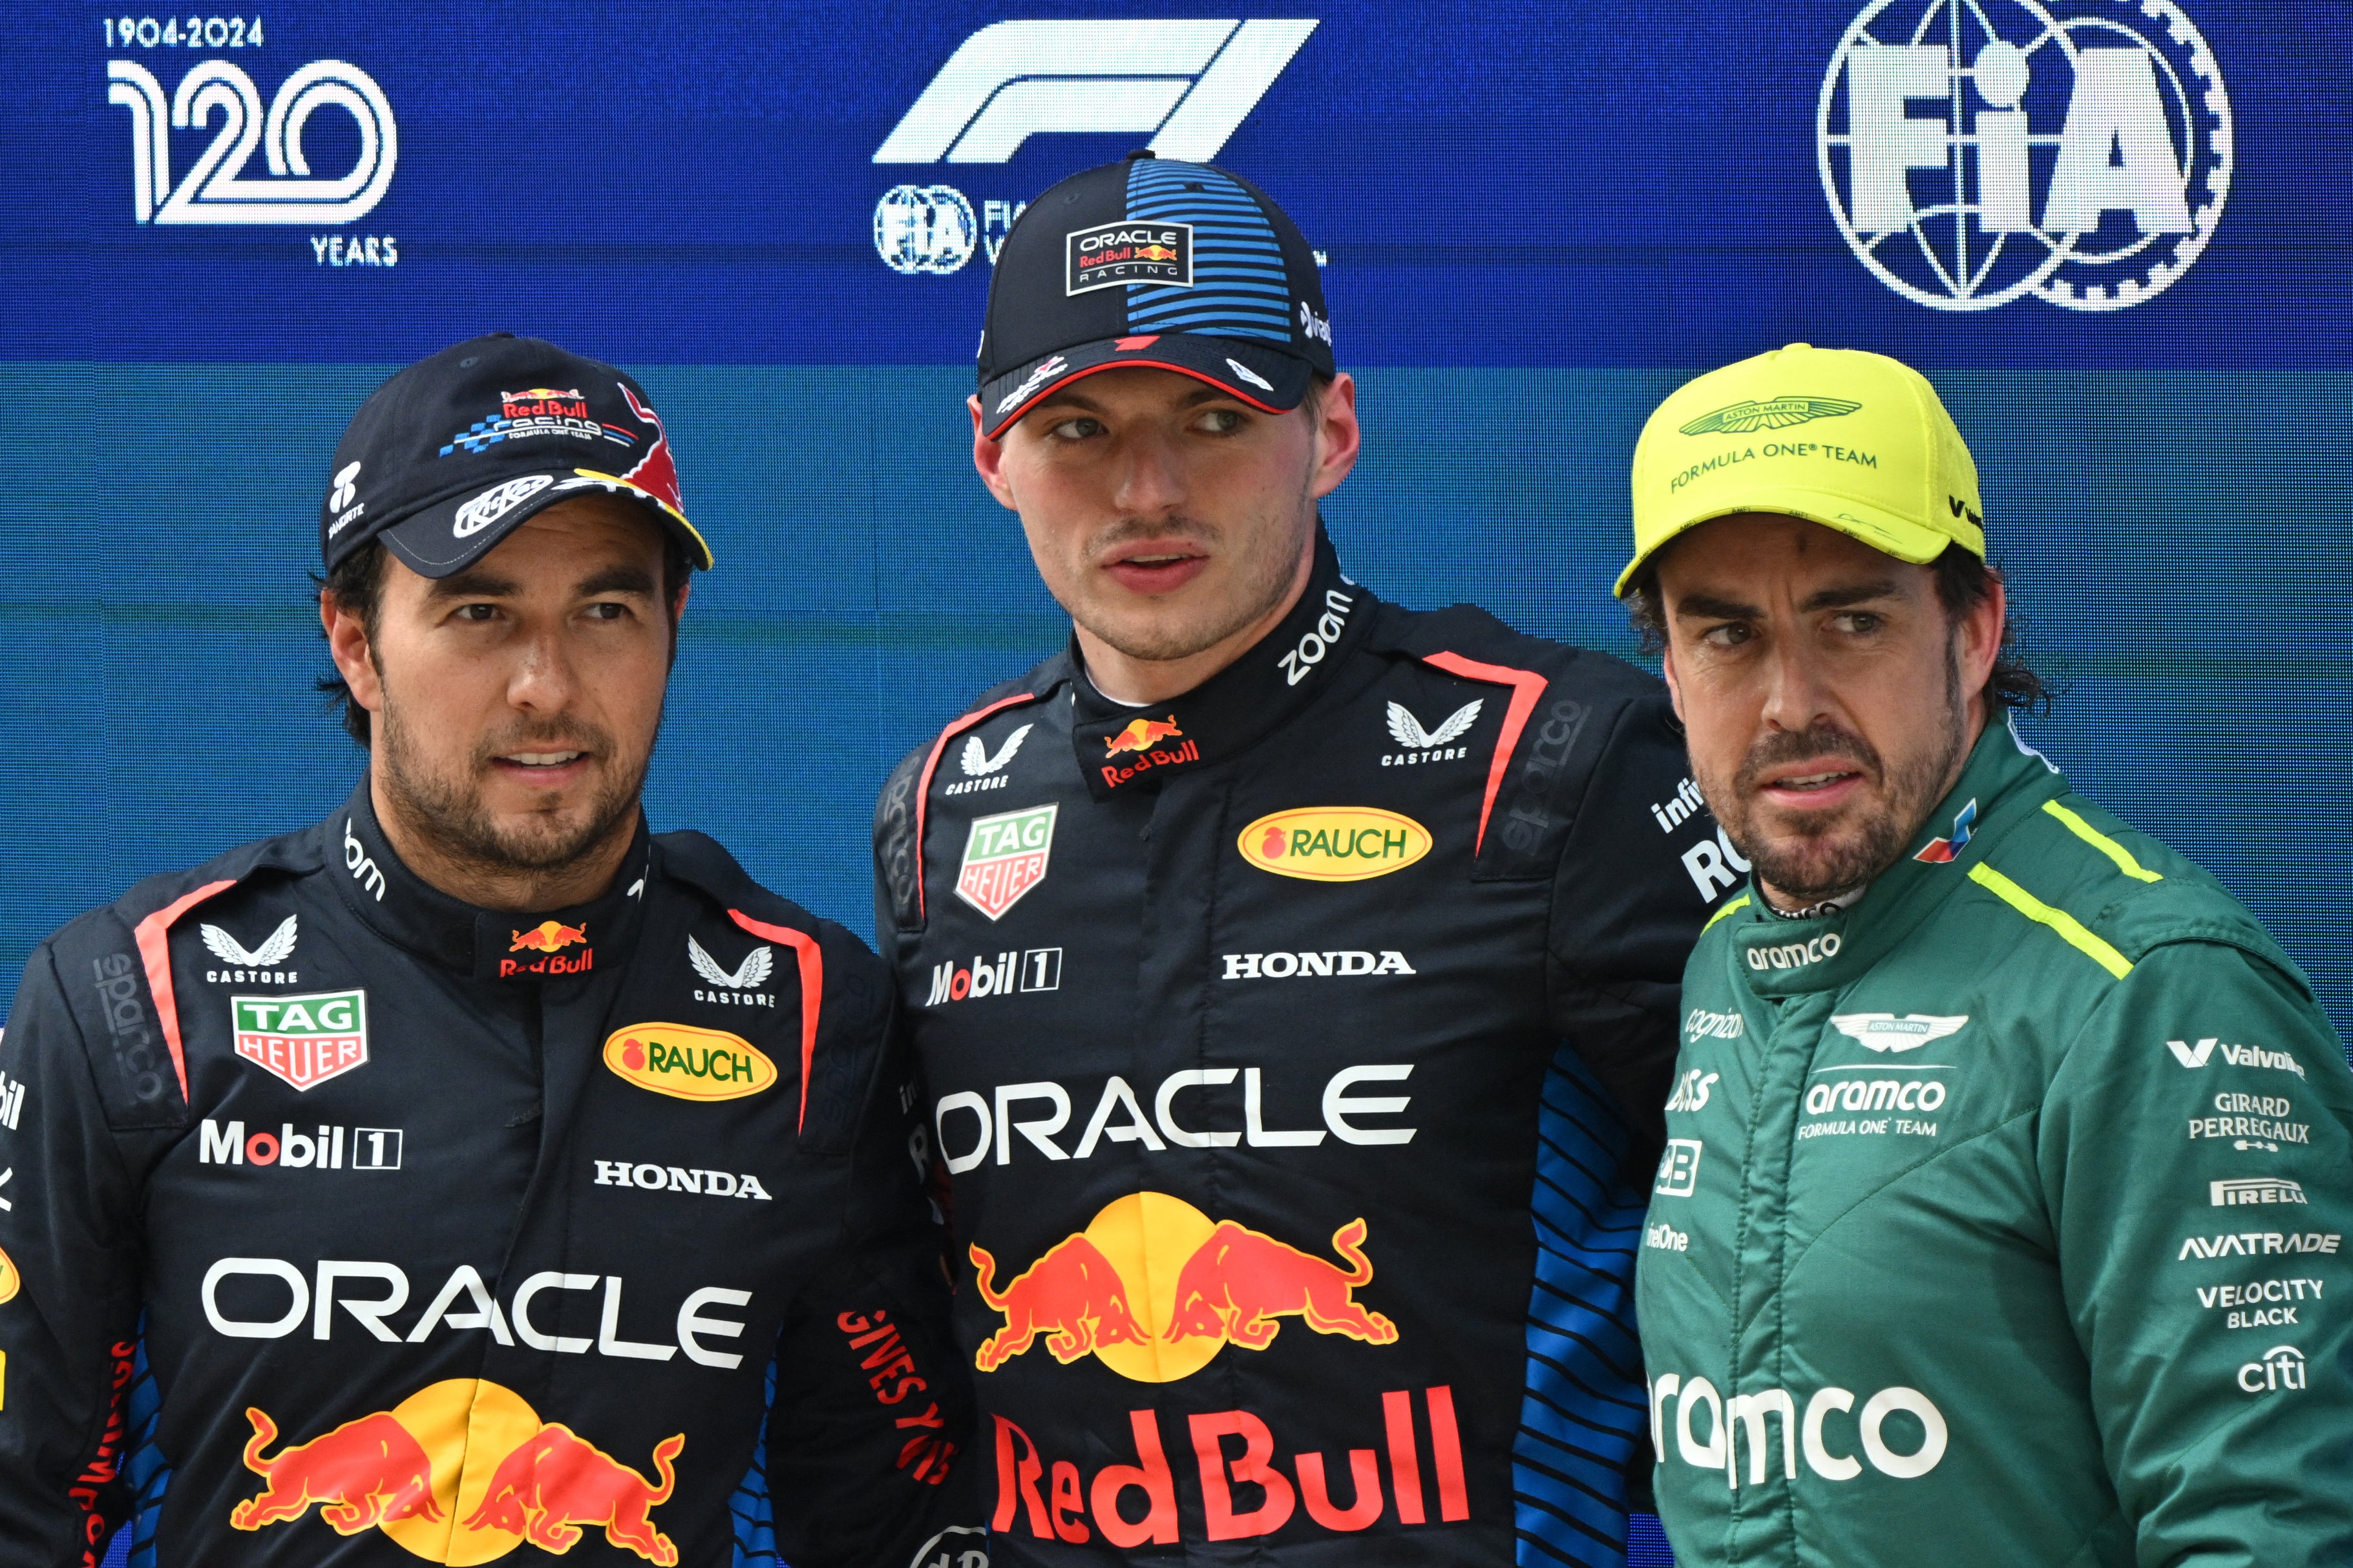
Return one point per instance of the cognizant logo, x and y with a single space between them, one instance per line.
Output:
1728 1422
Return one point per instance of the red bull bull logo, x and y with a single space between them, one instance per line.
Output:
549 939
1139 740
1154 1289
462 1472
548 936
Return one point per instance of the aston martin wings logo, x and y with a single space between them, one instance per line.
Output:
753 971
1740 418
1407 731
277 949
1886 1032
977 762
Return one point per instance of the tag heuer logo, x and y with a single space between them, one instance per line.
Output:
1774 414
305 1040
1004 857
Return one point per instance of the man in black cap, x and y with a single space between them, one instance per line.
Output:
475 1168
1295 975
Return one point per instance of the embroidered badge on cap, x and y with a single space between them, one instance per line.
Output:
1115 253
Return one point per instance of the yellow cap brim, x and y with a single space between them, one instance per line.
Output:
1883 530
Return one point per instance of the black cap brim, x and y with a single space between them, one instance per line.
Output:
452 534
1258 374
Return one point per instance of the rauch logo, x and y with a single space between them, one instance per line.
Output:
687 1063
1334 843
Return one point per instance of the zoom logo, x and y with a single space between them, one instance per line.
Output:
218 97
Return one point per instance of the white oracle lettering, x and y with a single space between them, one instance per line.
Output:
1339 1105
1713 863
1120 1117
1117 1098
1691 1091
963 1100
1666 1238
1039 1131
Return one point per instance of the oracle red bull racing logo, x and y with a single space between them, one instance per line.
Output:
461 1472
1154 1289
1140 740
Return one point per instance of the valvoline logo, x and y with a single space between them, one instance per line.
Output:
1153 1288
424 1473
1334 843
689 1063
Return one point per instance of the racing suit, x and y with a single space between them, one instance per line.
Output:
347 1224
1294 1049
2002 1220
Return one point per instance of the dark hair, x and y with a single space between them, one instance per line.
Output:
357 584
1963 582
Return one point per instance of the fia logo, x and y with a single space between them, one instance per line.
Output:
2081 151
217 190
1188 83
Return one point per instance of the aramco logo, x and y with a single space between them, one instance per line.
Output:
1978 151
1153 1288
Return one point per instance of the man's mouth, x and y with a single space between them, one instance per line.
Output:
1155 566
543 768
1815 788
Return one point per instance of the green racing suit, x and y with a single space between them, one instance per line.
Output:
2001 1217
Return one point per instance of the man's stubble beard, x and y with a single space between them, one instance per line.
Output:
1845 855
449 815
1262 581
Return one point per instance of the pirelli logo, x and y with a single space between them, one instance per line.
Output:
2254 1190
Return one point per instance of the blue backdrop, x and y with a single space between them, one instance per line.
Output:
2112 233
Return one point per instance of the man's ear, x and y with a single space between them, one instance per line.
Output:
1338 437
989 457
1981 632
347 645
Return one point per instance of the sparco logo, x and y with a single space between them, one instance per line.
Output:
1188 83
116 983
2080 152
1796 954
1748 1416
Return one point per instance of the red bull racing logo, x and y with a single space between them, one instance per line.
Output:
1154 1289
1141 738
549 939
461 1472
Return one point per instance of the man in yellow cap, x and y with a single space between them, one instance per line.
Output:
2007 1172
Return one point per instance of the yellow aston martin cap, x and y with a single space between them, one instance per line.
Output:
1852 440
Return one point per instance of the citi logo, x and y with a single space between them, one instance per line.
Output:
2198 1056
1288 965
2281 1368
1190 83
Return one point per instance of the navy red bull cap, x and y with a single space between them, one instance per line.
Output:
1153 262
453 454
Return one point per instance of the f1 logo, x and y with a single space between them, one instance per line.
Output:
1678 1172
1189 82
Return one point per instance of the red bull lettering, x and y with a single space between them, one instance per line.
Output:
1136 740
1246 1489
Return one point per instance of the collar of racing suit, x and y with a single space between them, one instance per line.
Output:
2004 783
489 944
1123 750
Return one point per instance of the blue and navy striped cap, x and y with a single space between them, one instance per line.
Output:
1156 263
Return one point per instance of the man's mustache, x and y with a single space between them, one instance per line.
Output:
1805 745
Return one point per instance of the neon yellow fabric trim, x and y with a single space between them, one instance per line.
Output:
2103 843
2069 928
1739 903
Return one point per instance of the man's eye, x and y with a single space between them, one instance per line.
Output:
475 613
607 612
1222 421
1728 636
1076 429
1861 623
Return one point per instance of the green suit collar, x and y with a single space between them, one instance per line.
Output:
2004 783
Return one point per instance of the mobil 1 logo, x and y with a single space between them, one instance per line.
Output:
1000 974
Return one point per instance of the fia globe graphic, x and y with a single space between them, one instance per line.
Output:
1975 152
925 228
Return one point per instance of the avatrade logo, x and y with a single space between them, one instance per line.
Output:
983 770
421 1472
1154 1289
1429 746
1033 969
1938 851
739 986
1188 84
221 187
253 966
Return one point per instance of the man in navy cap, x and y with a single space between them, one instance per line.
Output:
475 1167
1293 975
